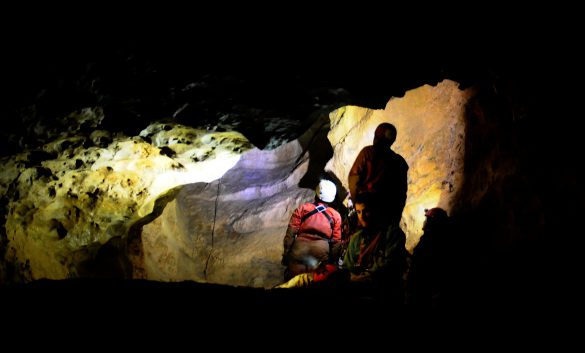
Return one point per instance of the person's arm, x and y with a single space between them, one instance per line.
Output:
350 258
350 261
291 232
394 253
336 247
336 235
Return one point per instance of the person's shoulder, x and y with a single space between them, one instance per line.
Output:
396 155
333 211
303 207
365 152
367 149
399 159
354 237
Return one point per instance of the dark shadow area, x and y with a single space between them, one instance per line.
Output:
187 77
513 212
110 261
320 152
121 257
204 304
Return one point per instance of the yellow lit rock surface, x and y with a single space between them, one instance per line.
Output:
230 231
430 124
63 208
227 222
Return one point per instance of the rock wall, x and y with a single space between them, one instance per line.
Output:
70 204
431 138
230 231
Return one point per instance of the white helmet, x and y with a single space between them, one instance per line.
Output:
326 191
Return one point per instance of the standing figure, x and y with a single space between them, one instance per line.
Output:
381 171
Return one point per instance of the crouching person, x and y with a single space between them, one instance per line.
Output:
313 237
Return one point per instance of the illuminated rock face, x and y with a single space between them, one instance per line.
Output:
430 125
79 192
230 231
79 197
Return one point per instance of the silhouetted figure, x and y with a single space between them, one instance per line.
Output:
428 268
313 234
379 170
376 254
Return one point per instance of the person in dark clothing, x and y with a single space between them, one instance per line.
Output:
376 254
379 170
428 268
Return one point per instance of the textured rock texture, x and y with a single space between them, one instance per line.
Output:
230 231
77 193
431 138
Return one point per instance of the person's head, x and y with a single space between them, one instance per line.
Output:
368 210
325 191
385 135
434 217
